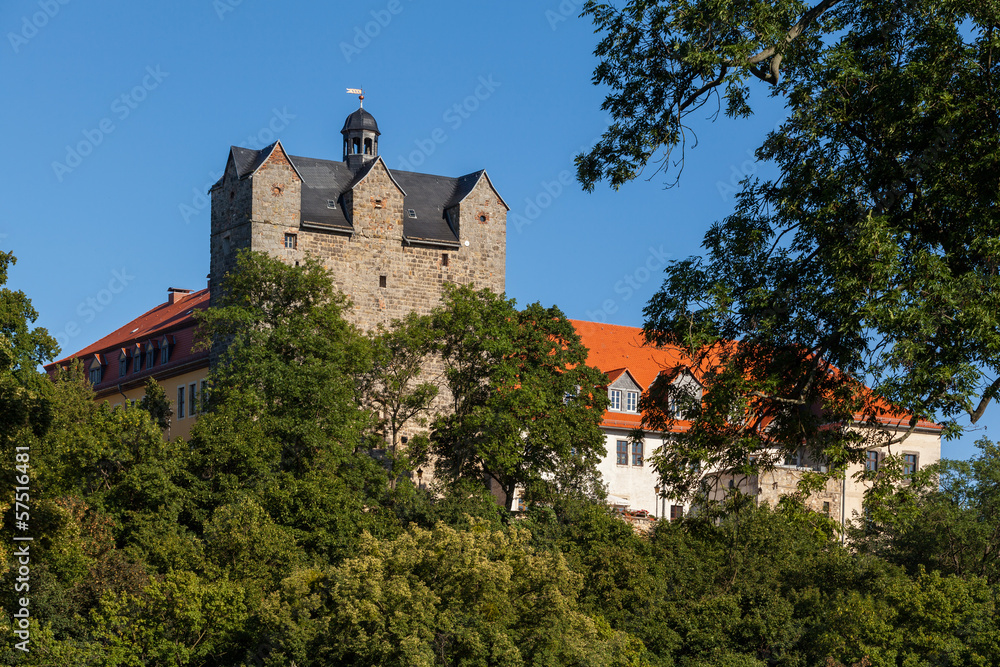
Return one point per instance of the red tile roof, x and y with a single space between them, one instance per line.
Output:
615 348
174 319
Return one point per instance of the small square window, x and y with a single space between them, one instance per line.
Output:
378 203
410 212
381 281
676 512
622 452
444 259
331 203
616 399
291 241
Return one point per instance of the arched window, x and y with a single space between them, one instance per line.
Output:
368 146
356 146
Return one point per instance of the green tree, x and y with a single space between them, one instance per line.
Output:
477 597
524 403
284 425
155 402
946 519
24 392
870 258
396 387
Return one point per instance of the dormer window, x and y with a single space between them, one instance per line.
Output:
137 359
631 401
96 368
150 355
122 364
615 396
165 343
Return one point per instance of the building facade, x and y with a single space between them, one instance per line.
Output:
160 344
632 366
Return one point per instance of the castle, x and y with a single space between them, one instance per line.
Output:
390 239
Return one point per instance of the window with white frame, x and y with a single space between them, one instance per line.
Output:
615 395
631 401
793 458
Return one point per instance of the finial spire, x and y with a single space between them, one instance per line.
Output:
361 96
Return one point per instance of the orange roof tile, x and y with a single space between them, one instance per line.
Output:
615 348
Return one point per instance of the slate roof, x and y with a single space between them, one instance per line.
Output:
325 181
429 196
361 120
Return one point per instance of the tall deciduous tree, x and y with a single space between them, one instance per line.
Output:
284 426
871 258
524 401
24 392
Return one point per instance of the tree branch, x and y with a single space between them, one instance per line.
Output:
772 52
974 415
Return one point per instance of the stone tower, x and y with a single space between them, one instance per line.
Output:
390 239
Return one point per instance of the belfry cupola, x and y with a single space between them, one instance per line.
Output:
360 138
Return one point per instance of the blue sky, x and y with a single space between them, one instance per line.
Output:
118 118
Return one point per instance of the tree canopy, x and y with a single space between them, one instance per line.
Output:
269 542
871 258
524 410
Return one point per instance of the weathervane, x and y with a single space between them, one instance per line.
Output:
360 93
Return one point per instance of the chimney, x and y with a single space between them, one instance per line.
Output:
175 294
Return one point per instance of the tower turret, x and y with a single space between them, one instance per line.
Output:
360 139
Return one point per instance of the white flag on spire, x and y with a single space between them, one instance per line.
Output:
354 91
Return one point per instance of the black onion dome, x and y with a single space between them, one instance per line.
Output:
360 120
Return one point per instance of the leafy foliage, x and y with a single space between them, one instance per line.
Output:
869 259
270 541
524 410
